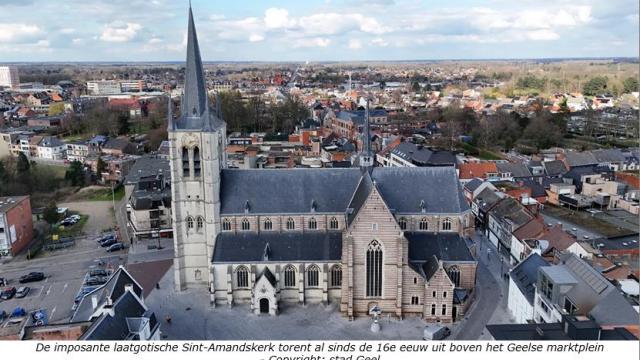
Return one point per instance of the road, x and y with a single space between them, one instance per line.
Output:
491 292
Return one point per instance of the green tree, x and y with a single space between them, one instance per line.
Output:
75 174
596 85
23 166
630 84
415 86
123 123
101 166
4 178
50 214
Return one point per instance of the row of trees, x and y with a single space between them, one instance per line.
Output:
19 176
503 130
594 86
254 114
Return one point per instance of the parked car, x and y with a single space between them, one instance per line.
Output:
75 217
108 242
96 280
106 237
7 293
115 247
98 272
435 332
31 277
23 291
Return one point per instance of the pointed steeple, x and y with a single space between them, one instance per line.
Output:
194 102
367 134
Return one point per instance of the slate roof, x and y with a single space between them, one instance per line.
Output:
249 246
473 184
516 170
511 209
50 142
148 166
525 275
114 288
359 197
574 158
609 155
444 246
554 168
487 199
195 105
421 156
118 326
403 188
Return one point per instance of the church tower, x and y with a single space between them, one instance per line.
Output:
366 156
197 137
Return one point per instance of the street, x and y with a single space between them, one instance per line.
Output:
490 305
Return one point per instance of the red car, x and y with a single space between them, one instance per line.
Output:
7 293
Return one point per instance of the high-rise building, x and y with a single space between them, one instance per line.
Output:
9 77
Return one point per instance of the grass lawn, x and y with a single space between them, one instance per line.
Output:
105 194
585 220
73 230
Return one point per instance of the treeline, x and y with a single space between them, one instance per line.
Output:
19 176
594 86
504 130
254 114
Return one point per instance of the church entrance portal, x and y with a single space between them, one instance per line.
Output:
264 306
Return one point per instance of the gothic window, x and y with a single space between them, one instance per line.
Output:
268 225
242 277
189 222
291 224
226 225
374 269
196 162
313 224
185 161
424 225
403 223
333 224
245 224
444 309
289 276
433 309
454 275
446 224
199 223
336 276
313 273
415 300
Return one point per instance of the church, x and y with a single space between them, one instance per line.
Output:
357 237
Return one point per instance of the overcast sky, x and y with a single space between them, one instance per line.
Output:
155 30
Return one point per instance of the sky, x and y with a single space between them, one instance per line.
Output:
328 30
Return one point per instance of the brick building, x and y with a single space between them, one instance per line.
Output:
16 224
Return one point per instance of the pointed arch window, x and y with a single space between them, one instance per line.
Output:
402 223
189 222
374 269
313 224
446 224
424 224
313 276
336 276
454 275
267 224
185 161
199 223
226 225
246 225
291 224
333 223
196 162
242 277
289 276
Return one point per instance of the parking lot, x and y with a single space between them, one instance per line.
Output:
64 270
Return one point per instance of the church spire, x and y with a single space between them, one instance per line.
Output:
367 134
195 102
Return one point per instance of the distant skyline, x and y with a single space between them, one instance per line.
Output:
347 30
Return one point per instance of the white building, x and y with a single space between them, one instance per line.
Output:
9 77
51 148
522 280
104 87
